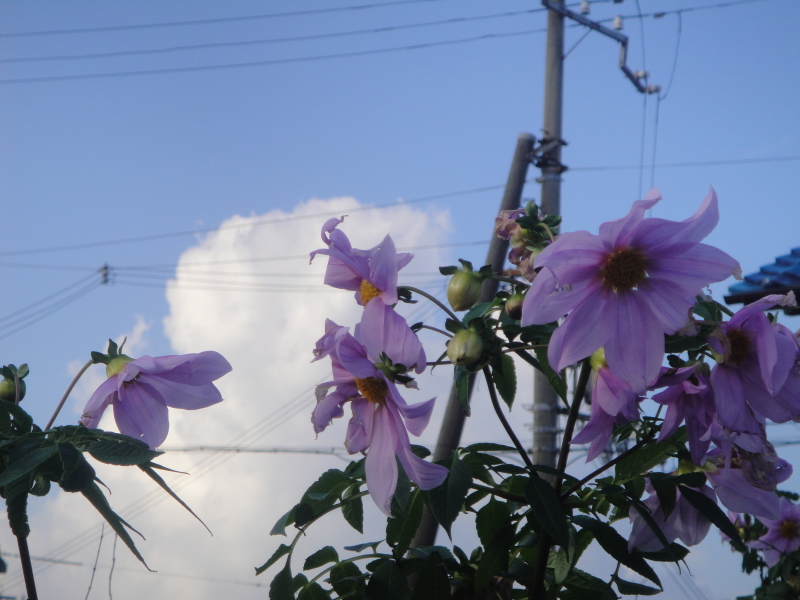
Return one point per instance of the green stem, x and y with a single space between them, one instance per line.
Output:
499 493
448 334
577 399
66 394
435 300
503 420
511 280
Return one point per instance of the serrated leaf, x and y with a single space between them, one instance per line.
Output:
634 589
557 382
504 377
669 554
122 452
667 494
16 493
432 581
493 516
347 580
709 509
353 511
649 456
495 557
77 474
323 556
476 312
546 507
96 497
400 530
282 586
447 499
280 525
148 469
387 583
617 546
282 550
588 586
24 463
489 447
314 591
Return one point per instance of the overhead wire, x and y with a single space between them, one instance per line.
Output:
297 13
244 43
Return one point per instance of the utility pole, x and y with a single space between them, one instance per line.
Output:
545 399
453 422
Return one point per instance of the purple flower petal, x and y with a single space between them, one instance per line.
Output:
581 333
381 465
98 403
141 413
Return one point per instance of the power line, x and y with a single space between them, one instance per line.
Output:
302 38
700 163
269 63
297 13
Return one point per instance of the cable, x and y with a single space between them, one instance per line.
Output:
268 63
302 38
644 104
51 296
297 13
703 163
664 95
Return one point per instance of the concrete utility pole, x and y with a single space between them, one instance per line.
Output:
453 422
545 399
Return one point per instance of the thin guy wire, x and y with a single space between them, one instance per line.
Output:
316 11
96 558
49 297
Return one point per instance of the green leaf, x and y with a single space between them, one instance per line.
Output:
461 382
323 556
666 492
709 509
387 583
489 447
649 456
495 558
282 586
362 547
16 493
586 586
452 270
23 371
400 530
99 358
492 517
476 312
670 554
95 495
347 580
504 377
314 591
546 507
447 499
561 565
23 462
148 469
321 495
644 512
617 546
282 550
78 474
280 525
353 510
635 589
123 452
557 382
432 581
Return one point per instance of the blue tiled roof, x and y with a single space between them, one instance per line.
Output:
783 273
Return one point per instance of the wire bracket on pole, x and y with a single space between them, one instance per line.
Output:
636 78
544 157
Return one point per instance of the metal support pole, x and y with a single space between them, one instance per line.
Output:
453 422
545 400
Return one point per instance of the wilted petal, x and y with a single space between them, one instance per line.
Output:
616 233
328 408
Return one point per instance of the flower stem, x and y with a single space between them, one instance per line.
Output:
577 399
607 466
503 420
435 300
66 394
27 568
347 560
499 493
511 280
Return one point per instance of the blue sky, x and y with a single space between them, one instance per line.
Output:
94 151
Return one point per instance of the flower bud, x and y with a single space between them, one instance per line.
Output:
8 391
514 306
464 290
465 347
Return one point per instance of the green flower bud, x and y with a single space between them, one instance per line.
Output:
464 290
8 391
514 306
465 347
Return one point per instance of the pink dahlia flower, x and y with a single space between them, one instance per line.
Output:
381 419
625 288
141 389
783 533
369 273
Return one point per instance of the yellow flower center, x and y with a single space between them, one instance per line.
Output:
740 345
373 389
789 530
368 292
624 269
